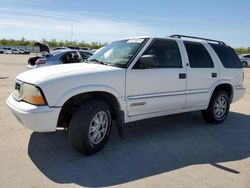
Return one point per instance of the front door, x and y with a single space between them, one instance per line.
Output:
160 87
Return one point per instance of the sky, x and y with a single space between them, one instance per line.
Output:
109 20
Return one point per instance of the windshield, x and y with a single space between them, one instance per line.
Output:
118 53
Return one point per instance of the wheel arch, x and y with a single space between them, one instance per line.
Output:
72 103
60 101
226 86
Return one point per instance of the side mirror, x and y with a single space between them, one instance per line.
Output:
148 61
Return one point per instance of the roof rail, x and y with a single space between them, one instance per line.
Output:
185 36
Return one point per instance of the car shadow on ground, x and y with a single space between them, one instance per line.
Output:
151 147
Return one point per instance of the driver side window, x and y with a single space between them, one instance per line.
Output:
166 53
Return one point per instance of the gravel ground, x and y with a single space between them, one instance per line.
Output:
173 151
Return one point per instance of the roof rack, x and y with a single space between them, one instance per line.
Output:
185 36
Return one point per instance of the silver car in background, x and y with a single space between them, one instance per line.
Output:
245 60
7 50
56 57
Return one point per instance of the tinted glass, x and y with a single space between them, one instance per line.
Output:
70 57
84 55
167 54
198 55
227 56
247 56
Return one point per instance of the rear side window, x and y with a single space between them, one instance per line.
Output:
247 56
198 55
227 56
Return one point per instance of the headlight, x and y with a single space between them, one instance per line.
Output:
28 93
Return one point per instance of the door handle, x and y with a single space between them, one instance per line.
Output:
182 76
214 75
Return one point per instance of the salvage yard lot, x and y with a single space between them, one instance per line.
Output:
173 151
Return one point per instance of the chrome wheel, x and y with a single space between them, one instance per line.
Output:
98 127
220 107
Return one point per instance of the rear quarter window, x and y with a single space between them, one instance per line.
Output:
227 56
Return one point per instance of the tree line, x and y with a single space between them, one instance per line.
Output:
51 43
243 50
93 45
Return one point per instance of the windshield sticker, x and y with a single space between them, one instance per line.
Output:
135 41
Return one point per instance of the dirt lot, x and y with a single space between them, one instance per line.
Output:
175 151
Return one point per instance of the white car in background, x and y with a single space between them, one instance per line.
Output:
245 60
7 50
22 51
15 51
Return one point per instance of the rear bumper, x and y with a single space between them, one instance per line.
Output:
36 118
239 92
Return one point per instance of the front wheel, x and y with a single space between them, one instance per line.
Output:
218 108
90 127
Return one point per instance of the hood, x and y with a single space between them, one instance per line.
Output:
35 76
44 47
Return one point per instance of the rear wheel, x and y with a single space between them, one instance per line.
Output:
90 127
244 64
218 108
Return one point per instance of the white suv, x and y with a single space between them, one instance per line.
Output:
129 80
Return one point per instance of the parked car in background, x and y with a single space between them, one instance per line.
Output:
22 51
245 60
86 48
15 51
74 47
56 57
7 50
60 48
67 47
1 51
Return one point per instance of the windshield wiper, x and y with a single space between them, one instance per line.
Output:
97 61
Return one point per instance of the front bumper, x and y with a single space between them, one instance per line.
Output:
36 118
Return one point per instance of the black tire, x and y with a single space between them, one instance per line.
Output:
210 114
79 129
244 64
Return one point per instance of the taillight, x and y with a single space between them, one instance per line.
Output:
40 61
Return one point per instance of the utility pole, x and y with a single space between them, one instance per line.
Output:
72 32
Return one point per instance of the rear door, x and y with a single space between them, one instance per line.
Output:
158 88
202 73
